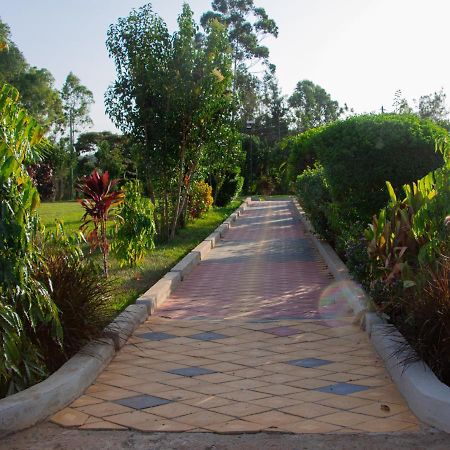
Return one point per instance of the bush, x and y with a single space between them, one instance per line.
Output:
42 176
25 304
83 296
411 231
422 314
135 232
315 198
200 199
301 153
362 152
230 189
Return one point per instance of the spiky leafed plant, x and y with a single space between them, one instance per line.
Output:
100 197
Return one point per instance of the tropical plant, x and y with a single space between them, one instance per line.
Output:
100 199
412 231
25 304
87 309
200 199
42 176
135 230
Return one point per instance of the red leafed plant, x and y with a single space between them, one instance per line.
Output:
99 197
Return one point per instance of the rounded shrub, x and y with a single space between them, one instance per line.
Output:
200 199
361 153
301 152
230 189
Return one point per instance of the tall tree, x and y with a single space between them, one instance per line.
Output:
313 106
247 26
400 104
36 86
173 95
76 102
433 106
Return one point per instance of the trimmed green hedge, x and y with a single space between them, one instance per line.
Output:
361 153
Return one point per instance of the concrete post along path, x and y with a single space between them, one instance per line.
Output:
258 337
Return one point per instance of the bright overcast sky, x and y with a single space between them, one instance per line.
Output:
360 51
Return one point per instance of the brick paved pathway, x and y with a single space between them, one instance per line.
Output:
258 338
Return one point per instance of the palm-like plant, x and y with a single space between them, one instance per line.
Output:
100 197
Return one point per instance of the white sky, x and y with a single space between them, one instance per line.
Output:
360 51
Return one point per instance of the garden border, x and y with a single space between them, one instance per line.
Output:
426 395
35 404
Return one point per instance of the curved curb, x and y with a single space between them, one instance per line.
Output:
35 404
28 407
428 398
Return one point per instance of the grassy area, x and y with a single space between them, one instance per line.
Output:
68 212
131 282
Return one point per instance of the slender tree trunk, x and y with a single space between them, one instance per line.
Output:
105 249
179 191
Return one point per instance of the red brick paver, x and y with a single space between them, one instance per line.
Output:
265 267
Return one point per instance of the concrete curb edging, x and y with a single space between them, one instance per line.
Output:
34 404
357 298
28 407
426 395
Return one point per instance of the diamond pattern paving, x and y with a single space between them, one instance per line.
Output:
191 371
142 401
259 337
342 388
309 362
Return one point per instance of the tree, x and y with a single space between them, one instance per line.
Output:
76 102
400 104
247 26
40 97
12 61
36 86
274 117
433 106
313 106
173 96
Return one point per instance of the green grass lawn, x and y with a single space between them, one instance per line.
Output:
69 213
132 282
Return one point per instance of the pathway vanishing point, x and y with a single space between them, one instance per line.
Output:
258 338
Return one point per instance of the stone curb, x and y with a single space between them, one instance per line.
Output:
357 298
426 395
26 408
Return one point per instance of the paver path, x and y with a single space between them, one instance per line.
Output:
258 338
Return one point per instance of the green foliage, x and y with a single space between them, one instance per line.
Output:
25 304
135 230
200 199
314 194
89 307
38 94
173 96
312 106
230 189
361 153
412 231
301 151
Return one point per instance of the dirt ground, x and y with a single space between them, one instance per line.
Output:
52 437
